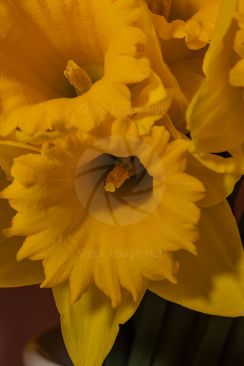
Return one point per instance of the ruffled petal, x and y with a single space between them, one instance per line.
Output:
9 150
91 325
197 30
13 273
212 282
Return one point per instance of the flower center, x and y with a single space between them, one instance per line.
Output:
118 175
119 180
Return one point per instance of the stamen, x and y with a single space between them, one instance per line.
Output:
77 77
118 175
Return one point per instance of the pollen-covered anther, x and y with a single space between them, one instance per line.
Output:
118 175
77 77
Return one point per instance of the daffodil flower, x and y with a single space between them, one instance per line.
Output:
106 47
101 199
101 248
215 116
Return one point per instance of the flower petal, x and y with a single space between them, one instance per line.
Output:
213 282
13 273
198 27
188 72
90 326
215 116
218 185
158 64
151 101
9 151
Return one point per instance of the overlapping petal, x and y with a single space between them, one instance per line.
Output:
184 28
215 116
218 185
217 286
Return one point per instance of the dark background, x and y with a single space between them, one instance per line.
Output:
24 313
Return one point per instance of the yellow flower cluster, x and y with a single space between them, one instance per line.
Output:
114 117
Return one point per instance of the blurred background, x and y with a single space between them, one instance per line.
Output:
24 313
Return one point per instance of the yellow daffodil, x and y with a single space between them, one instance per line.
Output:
64 218
101 248
101 199
74 64
46 46
215 116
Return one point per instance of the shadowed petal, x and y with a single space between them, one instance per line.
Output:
212 282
